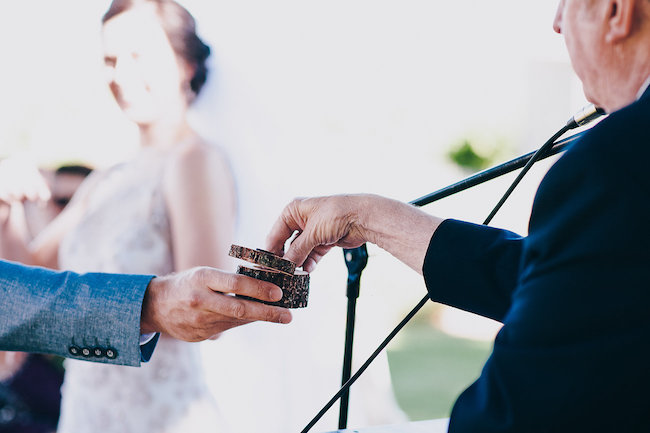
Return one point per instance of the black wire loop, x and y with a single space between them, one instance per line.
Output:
551 147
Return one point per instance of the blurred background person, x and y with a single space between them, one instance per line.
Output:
63 183
30 396
170 208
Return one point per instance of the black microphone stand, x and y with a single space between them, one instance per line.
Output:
356 260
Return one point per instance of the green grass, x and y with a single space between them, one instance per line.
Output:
430 369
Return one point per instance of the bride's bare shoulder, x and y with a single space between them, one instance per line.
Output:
197 163
197 153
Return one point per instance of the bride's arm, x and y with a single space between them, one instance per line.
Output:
21 182
201 201
44 248
13 233
16 243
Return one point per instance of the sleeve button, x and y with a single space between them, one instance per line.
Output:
85 352
98 352
7 414
111 353
74 350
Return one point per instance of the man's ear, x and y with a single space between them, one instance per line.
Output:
621 18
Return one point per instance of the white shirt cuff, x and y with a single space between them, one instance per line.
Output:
145 338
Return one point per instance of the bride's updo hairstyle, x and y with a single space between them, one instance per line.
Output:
180 27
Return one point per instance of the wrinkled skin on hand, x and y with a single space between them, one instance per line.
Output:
322 223
198 304
349 221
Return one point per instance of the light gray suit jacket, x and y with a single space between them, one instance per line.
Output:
93 317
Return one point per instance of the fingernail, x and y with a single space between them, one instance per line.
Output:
285 318
275 294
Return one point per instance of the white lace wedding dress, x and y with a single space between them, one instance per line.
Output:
126 230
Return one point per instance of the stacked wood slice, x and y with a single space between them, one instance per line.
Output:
274 269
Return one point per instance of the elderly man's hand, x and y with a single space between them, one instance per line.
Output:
198 304
348 221
321 223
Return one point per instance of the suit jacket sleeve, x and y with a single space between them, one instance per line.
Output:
473 267
94 317
573 352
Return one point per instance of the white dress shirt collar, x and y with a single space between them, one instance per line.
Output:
643 89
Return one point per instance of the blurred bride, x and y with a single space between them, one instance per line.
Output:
170 208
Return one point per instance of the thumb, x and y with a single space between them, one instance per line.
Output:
300 248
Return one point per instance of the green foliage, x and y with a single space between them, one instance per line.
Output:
465 156
478 153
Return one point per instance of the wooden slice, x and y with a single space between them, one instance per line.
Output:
263 258
295 288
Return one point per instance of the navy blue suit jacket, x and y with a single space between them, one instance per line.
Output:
574 295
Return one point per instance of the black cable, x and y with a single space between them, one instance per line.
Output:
347 361
536 157
424 300
363 368
541 153
586 115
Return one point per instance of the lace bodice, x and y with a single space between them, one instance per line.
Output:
126 230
